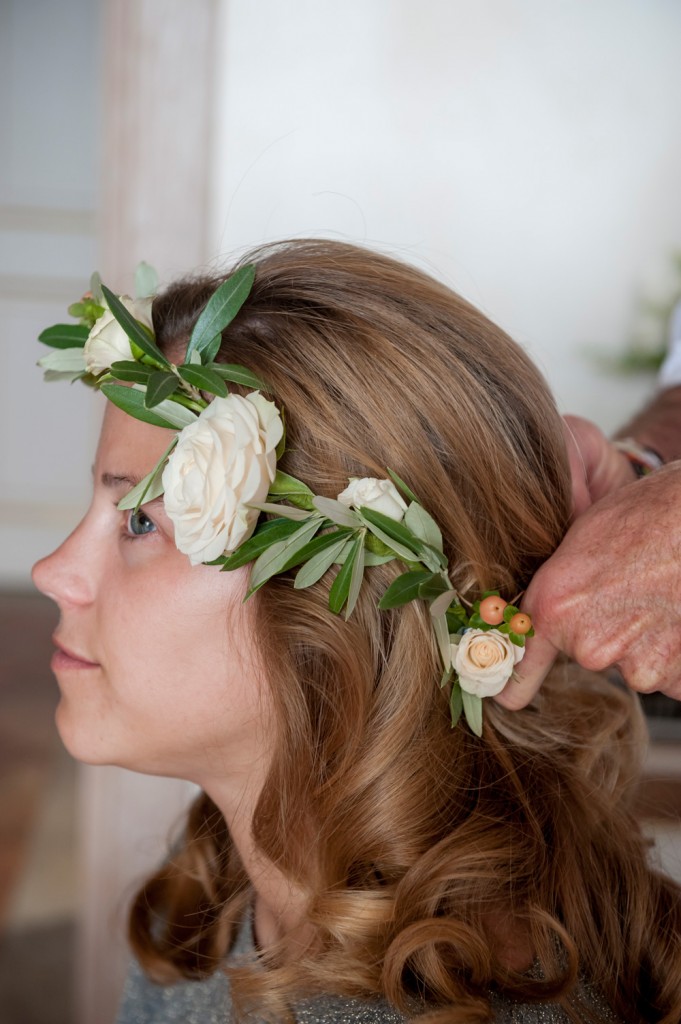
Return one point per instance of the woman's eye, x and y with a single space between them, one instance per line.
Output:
139 523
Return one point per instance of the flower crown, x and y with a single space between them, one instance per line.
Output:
219 473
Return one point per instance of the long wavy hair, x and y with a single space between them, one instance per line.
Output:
428 856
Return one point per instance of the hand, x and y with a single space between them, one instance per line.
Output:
611 593
596 465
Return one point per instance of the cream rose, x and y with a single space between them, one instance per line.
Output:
222 462
484 661
379 495
107 341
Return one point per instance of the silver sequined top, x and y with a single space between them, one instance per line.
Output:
208 1002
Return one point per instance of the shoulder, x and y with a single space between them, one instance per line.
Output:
185 1002
342 1010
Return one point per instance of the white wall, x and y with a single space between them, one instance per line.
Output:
49 121
528 152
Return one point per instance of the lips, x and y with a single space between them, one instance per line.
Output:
64 657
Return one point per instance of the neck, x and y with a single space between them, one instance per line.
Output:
279 904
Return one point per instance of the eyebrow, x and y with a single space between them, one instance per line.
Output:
117 480
114 480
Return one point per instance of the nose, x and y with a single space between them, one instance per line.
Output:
63 575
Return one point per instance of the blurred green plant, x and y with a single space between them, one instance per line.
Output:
647 349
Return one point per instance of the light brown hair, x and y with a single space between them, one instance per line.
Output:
427 854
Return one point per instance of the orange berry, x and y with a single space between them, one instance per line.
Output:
520 624
492 609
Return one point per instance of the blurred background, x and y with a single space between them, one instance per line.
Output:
526 152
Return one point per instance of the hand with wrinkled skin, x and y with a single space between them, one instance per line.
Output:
611 593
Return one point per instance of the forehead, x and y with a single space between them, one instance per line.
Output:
127 446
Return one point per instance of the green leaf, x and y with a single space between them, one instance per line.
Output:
472 709
268 533
400 484
455 702
96 287
203 378
64 336
160 386
210 351
337 512
322 561
135 331
356 577
273 560
402 552
239 375
377 547
340 588
370 558
64 360
457 618
404 589
316 545
131 401
221 308
150 487
280 510
396 531
444 644
423 525
291 489
433 586
446 676
146 280
131 370
441 603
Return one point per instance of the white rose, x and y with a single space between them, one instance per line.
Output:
484 661
107 341
223 461
379 495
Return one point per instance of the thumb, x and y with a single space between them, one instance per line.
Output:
530 673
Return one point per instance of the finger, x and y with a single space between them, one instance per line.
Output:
527 678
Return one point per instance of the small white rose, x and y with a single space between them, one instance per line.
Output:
379 495
107 341
484 661
222 462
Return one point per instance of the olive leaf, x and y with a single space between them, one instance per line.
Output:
266 534
356 576
456 702
150 487
221 308
159 387
404 589
441 631
322 561
64 336
64 360
472 709
204 378
340 588
238 375
131 370
423 525
292 489
273 560
337 512
146 280
131 400
135 331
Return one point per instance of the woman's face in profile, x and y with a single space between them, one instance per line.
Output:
156 663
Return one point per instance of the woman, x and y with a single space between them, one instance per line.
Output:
383 863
